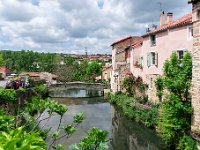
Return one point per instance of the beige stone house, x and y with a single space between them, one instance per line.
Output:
121 61
106 73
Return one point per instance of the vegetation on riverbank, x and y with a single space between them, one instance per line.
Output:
141 113
172 117
174 122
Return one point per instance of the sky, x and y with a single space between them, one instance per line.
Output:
71 26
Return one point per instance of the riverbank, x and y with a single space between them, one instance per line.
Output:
145 114
154 117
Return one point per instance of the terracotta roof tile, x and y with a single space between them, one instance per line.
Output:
182 21
124 39
137 43
5 70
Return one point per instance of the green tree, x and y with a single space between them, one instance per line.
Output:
1 60
175 115
94 69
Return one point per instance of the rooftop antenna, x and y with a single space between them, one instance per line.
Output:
161 4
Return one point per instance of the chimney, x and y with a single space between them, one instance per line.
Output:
169 17
162 19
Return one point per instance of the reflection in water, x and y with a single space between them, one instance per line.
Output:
129 135
75 93
80 101
123 133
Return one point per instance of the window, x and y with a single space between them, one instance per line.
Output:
153 40
190 32
180 54
152 59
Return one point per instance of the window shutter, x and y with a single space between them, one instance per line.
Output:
156 59
148 59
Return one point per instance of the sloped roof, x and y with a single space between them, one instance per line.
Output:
122 40
137 43
5 70
185 20
31 74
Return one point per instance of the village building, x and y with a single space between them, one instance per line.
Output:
36 76
158 45
121 61
29 75
4 72
106 73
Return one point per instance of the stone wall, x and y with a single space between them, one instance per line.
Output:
151 92
120 57
121 46
196 67
79 85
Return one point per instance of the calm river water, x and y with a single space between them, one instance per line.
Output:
124 134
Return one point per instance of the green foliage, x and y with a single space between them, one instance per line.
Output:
58 147
30 61
146 115
175 120
69 129
18 139
159 83
96 139
60 109
178 75
128 84
6 123
78 118
35 83
187 143
36 104
175 115
93 70
7 95
1 60
22 90
135 87
41 91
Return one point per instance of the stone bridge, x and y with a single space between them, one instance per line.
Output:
79 85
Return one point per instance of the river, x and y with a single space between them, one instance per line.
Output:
124 134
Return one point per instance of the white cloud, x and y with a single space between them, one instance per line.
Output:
71 25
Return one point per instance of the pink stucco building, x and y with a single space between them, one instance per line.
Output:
148 56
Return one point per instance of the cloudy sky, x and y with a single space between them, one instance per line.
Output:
68 26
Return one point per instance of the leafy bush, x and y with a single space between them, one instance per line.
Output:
22 90
7 95
6 123
187 143
147 116
159 83
34 83
96 139
20 140
41 91
135 87
175 120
